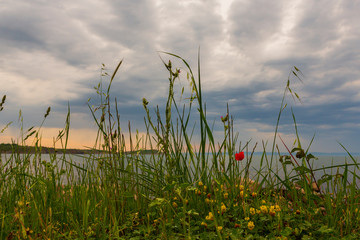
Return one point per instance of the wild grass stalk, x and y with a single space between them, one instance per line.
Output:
181 189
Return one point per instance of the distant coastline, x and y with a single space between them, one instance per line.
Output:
7 148
13 147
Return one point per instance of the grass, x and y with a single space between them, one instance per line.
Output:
178 191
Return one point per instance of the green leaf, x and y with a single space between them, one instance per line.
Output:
157 202
310 156
286 232
288 162
169 187
324 230
296 149
302 169
193 212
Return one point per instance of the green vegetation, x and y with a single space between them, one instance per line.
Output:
182 189
13 147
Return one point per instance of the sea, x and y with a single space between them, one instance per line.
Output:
323 165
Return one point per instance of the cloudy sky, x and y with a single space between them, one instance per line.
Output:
51 54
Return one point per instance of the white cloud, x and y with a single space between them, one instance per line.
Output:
42 79
50 52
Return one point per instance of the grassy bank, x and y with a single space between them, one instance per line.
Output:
176 190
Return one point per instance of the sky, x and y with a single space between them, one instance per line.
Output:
51 54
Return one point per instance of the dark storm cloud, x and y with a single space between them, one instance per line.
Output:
131 22
51 54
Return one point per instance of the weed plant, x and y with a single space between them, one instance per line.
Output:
180 189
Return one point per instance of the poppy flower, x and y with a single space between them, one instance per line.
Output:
239 156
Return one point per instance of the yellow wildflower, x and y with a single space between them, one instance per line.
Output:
247 219
200 184
277 208
251 225
207 201
21 203
254 194
241 194
263 209
241 187
226 195
263 201
252 211
223 208
272 210
204 224
205 187
28 231
174 204
219 228
210 216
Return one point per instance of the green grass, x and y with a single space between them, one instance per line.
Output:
180 189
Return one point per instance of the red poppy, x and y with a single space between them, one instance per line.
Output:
239 156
